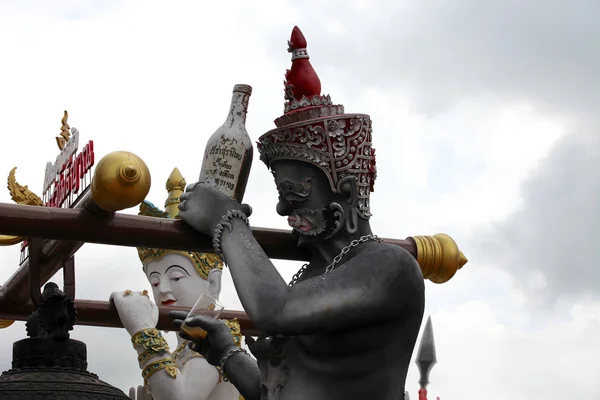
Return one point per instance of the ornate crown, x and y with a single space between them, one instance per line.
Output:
204 262
316 131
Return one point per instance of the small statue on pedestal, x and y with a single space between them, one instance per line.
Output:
55 317
178 278
346 325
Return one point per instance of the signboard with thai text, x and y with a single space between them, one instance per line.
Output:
68 176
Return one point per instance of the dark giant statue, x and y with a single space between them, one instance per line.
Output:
346 325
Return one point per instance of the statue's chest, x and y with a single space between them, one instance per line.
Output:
283 359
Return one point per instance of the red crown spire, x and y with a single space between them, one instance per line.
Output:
301 80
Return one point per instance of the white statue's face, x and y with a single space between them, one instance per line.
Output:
175 281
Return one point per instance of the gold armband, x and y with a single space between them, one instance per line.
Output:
166 364
151 340
147 355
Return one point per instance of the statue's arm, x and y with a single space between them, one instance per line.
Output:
138 313
196 380
380 282
243 372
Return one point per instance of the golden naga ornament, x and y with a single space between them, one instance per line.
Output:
20 195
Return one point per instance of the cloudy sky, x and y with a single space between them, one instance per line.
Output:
485 123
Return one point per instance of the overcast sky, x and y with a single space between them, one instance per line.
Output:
485 124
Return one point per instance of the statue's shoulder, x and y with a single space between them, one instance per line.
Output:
392 256
392 262
398 276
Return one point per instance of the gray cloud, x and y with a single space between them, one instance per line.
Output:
438 52
555 231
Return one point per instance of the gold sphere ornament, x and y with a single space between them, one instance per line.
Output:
121 180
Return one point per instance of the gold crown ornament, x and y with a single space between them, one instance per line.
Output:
203 262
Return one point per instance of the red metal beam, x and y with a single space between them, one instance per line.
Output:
70 228
104 313
138 231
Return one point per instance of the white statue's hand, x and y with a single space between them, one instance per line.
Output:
139 394
136 310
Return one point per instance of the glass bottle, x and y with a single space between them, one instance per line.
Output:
228 153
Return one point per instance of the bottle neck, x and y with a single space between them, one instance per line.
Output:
238 108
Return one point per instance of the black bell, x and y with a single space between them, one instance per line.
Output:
49 365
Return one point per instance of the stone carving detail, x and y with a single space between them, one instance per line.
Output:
316 100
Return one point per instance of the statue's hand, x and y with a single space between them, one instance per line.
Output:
202 207
136 310
139 393
217 342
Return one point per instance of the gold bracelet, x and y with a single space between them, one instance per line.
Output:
166 364
150 339
146 355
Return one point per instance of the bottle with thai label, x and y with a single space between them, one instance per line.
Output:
228 154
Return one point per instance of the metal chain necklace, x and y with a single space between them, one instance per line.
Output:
336 259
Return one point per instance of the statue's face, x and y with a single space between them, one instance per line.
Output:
175 281
304 197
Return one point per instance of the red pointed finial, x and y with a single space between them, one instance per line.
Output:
297 40
301 80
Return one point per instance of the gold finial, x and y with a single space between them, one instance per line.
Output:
175 186
65 133
439 257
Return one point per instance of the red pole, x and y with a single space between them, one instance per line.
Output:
422 394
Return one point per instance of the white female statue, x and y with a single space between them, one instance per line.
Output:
177 278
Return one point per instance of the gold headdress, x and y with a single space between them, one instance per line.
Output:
203 262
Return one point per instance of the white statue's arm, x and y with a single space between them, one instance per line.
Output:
188 386
195 381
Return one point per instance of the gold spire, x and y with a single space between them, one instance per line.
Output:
65 133
175 187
